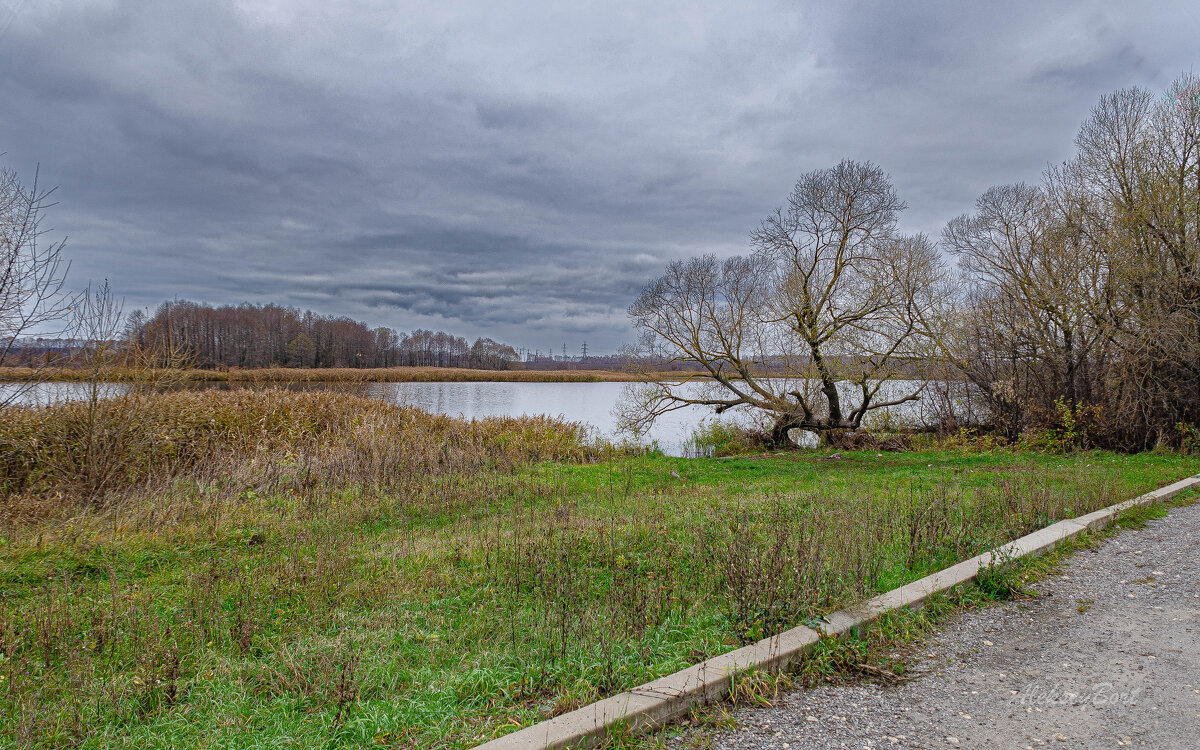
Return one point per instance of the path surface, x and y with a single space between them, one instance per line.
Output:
1124 672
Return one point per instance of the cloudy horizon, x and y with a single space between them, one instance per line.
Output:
520 172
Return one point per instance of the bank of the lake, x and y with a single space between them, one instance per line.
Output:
289 571
343 375
597 404
591 403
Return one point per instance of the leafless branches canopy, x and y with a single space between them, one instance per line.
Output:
33 299
830 304
1080 298
1075 309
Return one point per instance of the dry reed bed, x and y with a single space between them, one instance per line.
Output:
89 449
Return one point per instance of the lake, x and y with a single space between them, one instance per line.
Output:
591 403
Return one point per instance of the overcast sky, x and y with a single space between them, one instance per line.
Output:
520 170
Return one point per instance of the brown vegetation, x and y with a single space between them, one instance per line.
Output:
89 450
863 440
256 336
1080 308
33 296
1075 315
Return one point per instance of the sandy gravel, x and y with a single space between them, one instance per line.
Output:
1124 672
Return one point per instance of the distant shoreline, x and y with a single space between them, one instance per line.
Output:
348 375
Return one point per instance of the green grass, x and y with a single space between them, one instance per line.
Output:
883 650
255 606
884 479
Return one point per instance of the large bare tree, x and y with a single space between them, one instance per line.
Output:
831 305
33 298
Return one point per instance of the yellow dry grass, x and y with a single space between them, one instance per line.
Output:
90 450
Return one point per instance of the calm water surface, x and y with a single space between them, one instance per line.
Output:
591 403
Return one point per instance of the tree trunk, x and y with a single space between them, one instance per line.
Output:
779 431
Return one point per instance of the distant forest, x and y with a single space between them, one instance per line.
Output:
252 336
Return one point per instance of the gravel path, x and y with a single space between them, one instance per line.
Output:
1107 656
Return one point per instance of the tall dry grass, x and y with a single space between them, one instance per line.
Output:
90 451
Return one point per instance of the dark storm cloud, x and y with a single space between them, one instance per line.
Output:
519 170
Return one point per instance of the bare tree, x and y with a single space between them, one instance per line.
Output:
1138 170
492 355
1080 310
1027 329
33 299
831 305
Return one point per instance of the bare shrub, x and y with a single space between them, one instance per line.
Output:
33 296
862 440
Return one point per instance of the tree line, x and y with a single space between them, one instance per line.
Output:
1079 300
1073 307
254 336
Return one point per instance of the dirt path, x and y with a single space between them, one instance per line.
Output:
1108 656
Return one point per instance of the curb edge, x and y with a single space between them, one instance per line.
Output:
660 701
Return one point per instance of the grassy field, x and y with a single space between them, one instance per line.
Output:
266 569
343 375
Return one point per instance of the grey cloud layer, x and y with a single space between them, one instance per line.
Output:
519 170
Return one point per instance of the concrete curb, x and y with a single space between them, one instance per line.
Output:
667 698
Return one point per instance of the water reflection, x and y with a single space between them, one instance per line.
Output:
591 403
